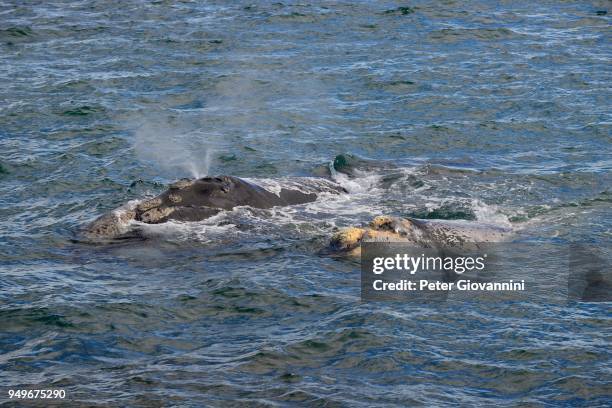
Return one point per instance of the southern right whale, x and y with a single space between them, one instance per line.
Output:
418 232
199 199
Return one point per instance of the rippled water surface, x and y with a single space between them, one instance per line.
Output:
487 111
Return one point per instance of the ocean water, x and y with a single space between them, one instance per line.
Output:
488 111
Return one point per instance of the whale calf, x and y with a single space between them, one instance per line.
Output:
418 232
198 199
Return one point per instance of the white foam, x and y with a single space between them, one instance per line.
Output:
364 182
124 223
306 185
490 214
187 231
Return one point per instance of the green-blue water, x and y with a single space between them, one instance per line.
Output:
488 111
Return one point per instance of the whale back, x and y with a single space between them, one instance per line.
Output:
225 192
457 233
196 200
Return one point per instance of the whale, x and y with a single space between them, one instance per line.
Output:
437 234
191 200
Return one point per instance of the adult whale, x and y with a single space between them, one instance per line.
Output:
196 200
440 234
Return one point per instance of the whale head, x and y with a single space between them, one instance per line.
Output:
224 192
197 199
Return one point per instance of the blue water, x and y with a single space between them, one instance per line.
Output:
488 111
